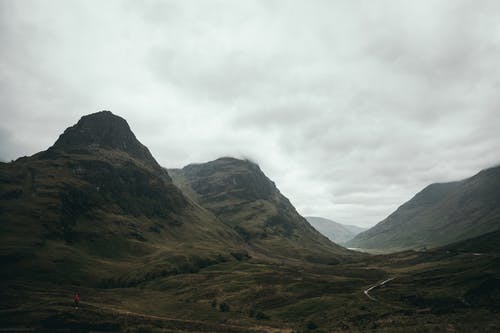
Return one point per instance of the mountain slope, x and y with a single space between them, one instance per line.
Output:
336 232
440 214
241 195
96 208
486 243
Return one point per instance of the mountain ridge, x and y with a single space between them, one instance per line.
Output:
241 195
439 214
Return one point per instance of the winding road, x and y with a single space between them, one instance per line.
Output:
367 291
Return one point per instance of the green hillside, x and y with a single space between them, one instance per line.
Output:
434 291
485 244
440 214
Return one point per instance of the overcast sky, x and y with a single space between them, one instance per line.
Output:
351 107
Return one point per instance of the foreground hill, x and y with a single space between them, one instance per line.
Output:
440 214
96 208
241 195
336 232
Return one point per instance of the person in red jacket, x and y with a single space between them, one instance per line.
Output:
76 299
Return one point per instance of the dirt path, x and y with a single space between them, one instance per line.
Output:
198 325
367 291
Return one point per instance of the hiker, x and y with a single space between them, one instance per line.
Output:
76 299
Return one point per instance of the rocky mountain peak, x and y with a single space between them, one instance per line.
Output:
103 130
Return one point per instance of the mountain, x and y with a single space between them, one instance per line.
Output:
336 232
96 214
96 208
243 197
440 214
104 130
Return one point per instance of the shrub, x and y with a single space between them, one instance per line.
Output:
142 329
311 325
261 316
224 307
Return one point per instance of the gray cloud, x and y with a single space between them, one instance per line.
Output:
350 106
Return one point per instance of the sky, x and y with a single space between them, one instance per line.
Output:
351 107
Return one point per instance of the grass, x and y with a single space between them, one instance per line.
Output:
286 297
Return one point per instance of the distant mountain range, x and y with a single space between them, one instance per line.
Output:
440 214
336 232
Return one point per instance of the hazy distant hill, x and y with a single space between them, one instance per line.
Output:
240 194
336 232
440 214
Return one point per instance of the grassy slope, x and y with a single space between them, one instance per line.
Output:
439 290
458 284
101 218
440 214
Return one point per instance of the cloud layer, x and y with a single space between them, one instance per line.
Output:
350 106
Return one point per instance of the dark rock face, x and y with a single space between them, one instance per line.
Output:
135 190
103 130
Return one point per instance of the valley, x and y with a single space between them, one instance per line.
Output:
431 291
215 247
